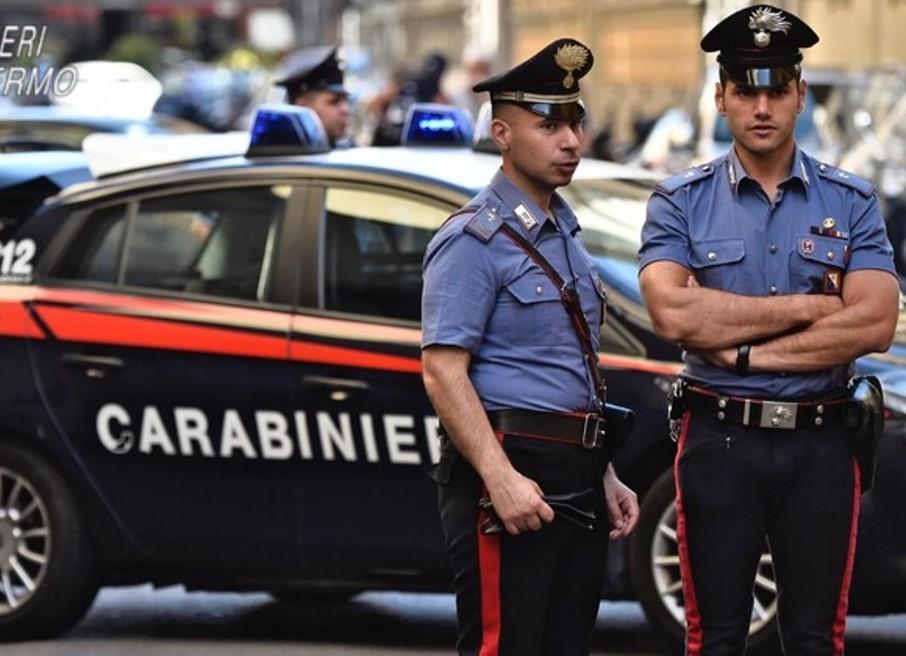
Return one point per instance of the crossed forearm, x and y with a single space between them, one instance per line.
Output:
706 319
830 342
865 324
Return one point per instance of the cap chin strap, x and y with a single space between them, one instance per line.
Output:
763 78
524 97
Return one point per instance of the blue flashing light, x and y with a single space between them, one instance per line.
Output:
429 124
286 130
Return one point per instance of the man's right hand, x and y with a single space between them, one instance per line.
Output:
518 502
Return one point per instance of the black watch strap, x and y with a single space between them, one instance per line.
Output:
742 359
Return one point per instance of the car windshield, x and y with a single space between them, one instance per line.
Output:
611 213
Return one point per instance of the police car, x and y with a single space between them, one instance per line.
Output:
212 373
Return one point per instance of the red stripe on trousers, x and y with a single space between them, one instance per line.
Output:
843 602
693 618
489 575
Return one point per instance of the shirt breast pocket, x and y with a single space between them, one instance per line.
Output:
718 263
534 311
817 265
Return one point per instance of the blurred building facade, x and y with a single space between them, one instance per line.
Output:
646 51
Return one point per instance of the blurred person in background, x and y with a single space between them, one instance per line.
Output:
476 66
422 86
313 78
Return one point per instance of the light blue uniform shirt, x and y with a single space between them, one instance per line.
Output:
717 221
483 294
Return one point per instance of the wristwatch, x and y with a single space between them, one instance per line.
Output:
742 359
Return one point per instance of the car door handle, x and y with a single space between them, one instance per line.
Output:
341 386
335 383
94 366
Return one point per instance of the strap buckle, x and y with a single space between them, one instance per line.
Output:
591 431
775 414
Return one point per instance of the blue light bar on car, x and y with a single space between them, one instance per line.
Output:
429 124
286 130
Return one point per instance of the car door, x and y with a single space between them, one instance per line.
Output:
357 389
166 371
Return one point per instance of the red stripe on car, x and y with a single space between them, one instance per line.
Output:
15 321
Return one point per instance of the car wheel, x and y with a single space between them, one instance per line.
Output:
654 568
46 577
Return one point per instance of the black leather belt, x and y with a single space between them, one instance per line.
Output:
581 428
764 413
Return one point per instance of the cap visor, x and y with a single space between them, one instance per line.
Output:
557 111
762 78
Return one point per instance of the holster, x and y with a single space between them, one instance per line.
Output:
865 420
619 423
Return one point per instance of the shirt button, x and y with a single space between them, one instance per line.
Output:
830 255
773 290
773 248
539 290
712 256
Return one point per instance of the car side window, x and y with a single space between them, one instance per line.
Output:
94 253
216 242
374 245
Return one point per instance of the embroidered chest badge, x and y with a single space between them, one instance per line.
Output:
807 246
832 280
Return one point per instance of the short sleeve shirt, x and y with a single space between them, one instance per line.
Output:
483 294
717 221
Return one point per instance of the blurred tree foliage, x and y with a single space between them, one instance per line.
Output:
138 49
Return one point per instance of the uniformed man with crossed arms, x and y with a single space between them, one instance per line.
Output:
505 371
774 272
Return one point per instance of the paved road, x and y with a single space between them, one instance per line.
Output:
140 621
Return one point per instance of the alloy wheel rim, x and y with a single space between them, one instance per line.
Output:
25 541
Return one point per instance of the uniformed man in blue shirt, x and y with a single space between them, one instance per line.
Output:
506 373
774 272
313 78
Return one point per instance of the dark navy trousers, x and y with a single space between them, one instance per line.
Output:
739 488
533 594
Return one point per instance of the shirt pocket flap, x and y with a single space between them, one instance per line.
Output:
716 252
824 250
533 287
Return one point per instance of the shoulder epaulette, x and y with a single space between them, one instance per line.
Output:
845 178
690 175
484 223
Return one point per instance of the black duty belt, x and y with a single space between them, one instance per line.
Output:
580 428
762 413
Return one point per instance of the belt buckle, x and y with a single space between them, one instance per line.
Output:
775 414
591 431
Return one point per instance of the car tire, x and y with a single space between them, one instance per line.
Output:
655 573
47 578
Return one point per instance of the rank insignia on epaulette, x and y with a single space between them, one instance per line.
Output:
832 281
525 216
